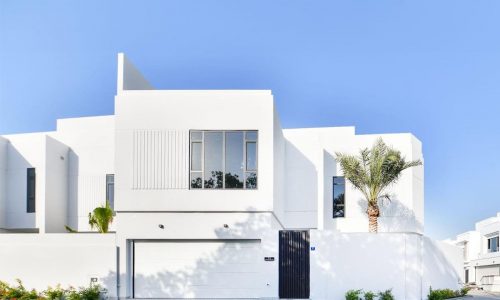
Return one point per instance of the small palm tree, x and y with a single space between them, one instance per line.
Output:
101 217
372 172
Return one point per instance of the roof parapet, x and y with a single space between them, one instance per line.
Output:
129 77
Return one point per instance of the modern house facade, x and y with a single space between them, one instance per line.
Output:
481 253
213 199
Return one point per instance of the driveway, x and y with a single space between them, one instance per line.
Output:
481 295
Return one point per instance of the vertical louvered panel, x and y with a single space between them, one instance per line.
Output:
160 159
294 264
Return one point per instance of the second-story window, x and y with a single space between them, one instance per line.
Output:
493 244
110 190
31 190
223 159
338 197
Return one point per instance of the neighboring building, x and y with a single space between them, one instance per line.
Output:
214 199
481 253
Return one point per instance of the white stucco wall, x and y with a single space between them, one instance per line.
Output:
56 189
3 181
442 265
373 262
311 164
25 151
91 143
145 119
407 263
43 260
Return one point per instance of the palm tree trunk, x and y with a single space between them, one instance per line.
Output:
373 213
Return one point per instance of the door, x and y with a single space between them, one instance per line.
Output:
197 269
294 264
485 271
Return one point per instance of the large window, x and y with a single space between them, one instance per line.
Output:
493 244
338 197
110 190
31 190
223 159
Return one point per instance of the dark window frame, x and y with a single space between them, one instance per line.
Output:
246 172
31 190
497 246
335 206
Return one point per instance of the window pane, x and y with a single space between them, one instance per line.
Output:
110 190
234 160
31 190
195 180
251 156
338 197
251 180
213 160
251 135
196 136
196 156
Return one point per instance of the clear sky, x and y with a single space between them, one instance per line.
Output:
427 67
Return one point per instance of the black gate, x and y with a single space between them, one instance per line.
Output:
294 264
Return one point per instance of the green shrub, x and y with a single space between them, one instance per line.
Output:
386 295
90 293
446 294
353 295
56 293
464 290
19 292
369 296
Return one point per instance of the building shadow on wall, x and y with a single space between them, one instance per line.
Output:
16 183
394 216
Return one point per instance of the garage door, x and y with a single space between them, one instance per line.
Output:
197 269
486 271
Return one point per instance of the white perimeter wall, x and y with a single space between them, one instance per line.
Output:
42 260
3 178
442 265
405 263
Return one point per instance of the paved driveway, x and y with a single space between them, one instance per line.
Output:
480 295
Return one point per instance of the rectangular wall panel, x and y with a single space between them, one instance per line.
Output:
160 159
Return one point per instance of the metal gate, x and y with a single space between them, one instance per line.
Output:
294 264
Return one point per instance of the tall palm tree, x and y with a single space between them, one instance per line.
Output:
372 172
101 217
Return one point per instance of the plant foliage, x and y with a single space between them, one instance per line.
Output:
101 217
447 293
353 295
372 172
19 292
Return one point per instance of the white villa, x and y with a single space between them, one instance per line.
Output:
481 254
213 199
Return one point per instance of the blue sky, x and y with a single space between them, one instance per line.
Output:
427 67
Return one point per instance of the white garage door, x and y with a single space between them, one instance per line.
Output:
197 269
486 271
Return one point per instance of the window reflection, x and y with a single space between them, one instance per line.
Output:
338 197
234 160
213 160
223 159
